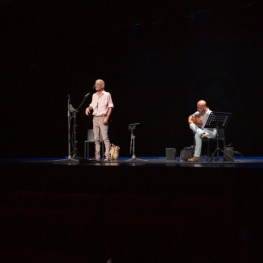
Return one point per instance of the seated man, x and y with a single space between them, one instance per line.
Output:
197 122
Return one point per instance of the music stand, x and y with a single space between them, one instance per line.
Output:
218 120
131 127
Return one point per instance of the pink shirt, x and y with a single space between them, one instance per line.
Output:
101 104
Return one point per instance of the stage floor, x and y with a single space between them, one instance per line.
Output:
191 186
241 162
241 179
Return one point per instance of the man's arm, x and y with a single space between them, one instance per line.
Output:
88 110
106 118
191 119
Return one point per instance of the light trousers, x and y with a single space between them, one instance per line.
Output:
198 141
100 128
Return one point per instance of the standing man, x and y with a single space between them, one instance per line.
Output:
197 123
102 106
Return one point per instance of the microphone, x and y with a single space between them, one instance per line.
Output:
69 98
86 95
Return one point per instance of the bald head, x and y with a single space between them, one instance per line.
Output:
201 107
201 103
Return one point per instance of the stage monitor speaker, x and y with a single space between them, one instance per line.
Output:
228 153
170 154
186 153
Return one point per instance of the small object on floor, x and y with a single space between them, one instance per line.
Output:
194 159
170 154
186 153
188 148
114 152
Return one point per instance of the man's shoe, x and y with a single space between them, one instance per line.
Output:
194 159
107 160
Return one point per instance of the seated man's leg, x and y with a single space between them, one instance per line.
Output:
198 145
209 133
198 142
195 129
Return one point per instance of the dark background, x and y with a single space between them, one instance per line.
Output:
157 59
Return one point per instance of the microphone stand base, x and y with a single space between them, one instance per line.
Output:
134 159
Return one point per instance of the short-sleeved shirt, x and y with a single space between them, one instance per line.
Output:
101 104
204 117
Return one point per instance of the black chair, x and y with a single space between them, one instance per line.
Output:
90 139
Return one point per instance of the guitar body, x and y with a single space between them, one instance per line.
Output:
197 120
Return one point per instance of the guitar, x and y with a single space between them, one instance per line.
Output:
197 120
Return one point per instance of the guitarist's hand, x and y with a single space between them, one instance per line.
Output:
197 120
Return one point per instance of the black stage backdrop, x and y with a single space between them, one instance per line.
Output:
157 61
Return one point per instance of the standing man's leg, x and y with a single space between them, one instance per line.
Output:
96 131
104 128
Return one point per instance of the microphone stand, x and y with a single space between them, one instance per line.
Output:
71 109
131 127
74 116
